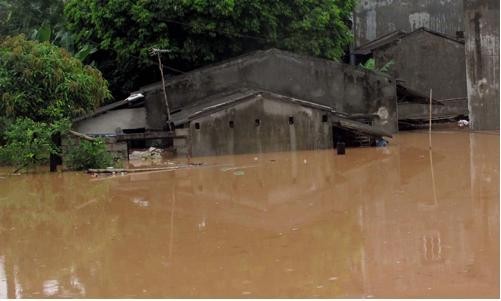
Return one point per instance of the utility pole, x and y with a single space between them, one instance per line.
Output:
157 52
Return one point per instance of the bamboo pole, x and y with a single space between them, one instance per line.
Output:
434 187
129 170
167 108
83 136
430 113
154 169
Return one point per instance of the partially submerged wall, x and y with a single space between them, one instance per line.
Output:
118 150
374 18
427 61
347 88
419 111
482 62
260 125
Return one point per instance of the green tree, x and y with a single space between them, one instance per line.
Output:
40 20
45 83
198 32
24 16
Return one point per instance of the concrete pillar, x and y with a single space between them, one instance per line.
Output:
482 62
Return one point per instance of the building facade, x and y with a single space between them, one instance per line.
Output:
375 18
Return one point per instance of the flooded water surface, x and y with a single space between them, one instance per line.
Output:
376 222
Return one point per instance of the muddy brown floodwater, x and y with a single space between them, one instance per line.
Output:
371 223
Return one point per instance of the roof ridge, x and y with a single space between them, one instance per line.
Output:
397 35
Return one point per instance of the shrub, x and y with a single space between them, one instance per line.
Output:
88 154
370 64
29 143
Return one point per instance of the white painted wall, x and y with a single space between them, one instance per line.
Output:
108 122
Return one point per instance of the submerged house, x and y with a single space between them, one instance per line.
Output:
250 121
422 60
263 101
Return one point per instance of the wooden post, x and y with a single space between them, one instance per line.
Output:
160 66
55 159
430 113
434 187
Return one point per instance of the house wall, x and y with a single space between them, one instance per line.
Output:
274 133
419 111
373 18
347 88
110 121
427 61
482 62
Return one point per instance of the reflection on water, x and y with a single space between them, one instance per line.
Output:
302 224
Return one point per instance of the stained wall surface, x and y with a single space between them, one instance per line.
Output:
482 62
374 18
427 61
347 88
260 125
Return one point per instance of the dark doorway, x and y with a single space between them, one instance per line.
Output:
134 144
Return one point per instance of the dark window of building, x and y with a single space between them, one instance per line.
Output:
324 118
231 124
291 120
197 125
257 122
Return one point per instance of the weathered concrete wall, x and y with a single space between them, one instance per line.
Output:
274 133
427 61
374 18
109 122
368 94
482 62
346 88
197 85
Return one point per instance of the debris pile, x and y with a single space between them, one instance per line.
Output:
152 153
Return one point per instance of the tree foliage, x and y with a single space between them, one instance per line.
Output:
24 16
370 64
42 21
198 32
45 83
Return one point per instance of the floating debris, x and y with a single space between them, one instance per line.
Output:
463 123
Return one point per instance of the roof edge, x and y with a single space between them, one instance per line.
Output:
396 35
258 93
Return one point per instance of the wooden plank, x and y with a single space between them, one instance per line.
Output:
360 127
